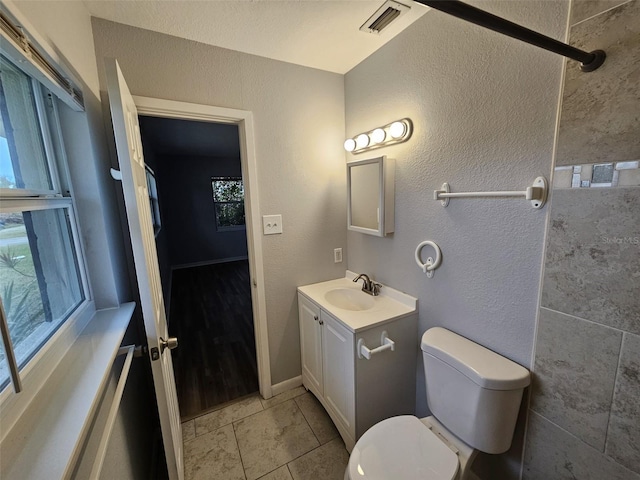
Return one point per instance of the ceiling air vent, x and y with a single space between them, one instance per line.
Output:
382 18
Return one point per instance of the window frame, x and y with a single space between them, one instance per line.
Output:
45 127
227 228
61 196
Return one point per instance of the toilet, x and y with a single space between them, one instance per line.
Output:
474 396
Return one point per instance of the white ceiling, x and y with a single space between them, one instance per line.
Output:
321 34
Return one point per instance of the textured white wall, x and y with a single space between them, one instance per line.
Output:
484 109
299 129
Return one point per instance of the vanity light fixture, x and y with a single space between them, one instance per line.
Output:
362 141
390 134
349 144
397 129
378 136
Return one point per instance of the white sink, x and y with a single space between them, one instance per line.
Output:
353 308
349 299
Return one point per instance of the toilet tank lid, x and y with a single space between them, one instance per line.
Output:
481 365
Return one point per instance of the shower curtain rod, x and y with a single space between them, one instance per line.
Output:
589 61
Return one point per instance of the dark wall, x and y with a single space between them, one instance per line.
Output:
186 202
184 155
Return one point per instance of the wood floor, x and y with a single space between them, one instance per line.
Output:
211 315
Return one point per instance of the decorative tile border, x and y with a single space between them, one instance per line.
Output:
593 175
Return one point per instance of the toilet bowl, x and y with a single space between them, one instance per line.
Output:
406 447
474 395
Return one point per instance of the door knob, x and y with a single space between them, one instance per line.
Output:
170 343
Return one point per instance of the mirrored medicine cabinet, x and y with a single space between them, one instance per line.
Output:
370 196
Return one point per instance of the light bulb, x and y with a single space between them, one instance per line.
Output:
378 135
397 129
349 144
362 141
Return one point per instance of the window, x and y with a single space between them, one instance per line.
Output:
41 276
23 158
228 200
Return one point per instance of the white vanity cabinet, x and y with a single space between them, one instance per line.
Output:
357 392
311 344
327 360
338 367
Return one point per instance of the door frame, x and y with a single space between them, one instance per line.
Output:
156 107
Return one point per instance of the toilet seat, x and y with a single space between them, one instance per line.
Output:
402 448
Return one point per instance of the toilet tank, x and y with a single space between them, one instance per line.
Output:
474 392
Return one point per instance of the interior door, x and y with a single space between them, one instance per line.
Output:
134 185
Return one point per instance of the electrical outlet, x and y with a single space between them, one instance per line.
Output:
337 255
271 224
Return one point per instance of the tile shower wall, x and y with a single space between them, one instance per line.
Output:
584 420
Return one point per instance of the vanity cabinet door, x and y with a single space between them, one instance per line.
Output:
338 369
310 344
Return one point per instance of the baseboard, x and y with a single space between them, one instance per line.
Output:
290 384
208 262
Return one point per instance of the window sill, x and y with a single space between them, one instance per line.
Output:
47 439
234 228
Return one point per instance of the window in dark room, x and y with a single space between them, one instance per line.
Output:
228 199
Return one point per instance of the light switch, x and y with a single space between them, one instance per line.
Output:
271 224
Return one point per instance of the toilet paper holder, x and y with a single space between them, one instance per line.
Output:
385 344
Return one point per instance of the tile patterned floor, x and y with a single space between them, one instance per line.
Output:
288 437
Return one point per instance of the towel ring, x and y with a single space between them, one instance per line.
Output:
430 265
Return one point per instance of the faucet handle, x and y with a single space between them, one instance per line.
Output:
375 288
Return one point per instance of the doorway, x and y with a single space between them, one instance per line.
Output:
206 251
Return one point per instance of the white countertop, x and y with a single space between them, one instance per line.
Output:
389 305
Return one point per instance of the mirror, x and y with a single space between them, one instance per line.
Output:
370 196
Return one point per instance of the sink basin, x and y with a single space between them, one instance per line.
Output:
349 299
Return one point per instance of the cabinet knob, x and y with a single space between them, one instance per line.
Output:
315 317
321 322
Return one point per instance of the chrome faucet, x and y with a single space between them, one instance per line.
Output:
369 286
